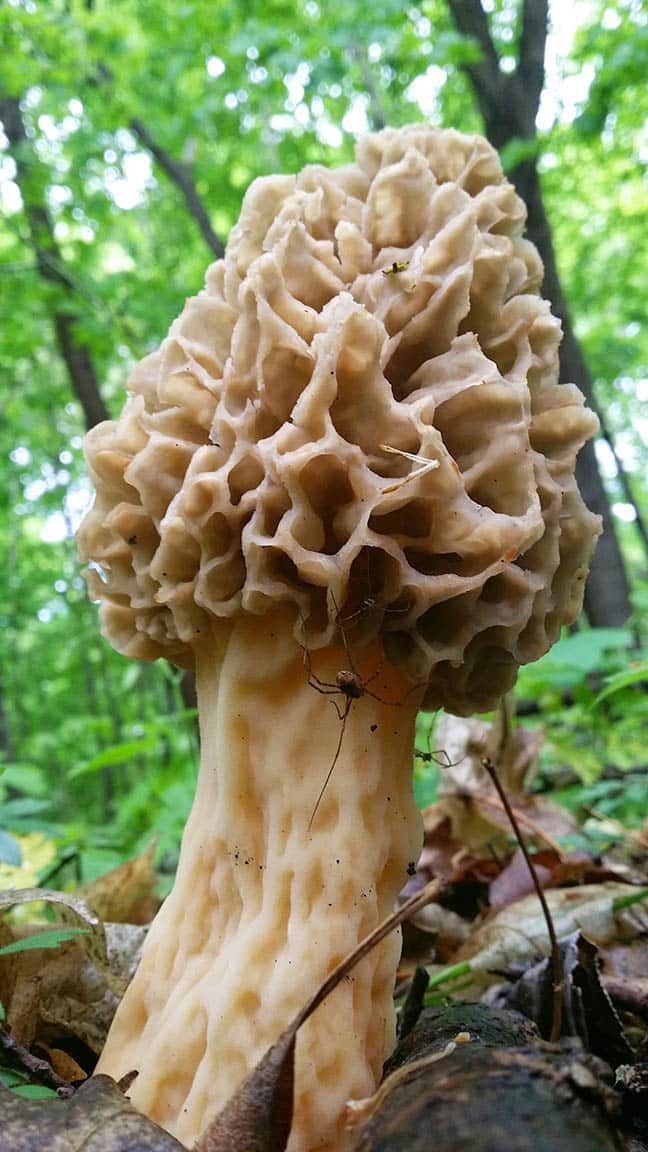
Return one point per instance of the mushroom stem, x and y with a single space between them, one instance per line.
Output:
263 907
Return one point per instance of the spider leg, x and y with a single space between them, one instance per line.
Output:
326 687
342 715
380 700
323 686
344 636
430 731
374 675
322 790
348 621
391 703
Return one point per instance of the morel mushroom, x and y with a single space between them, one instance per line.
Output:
351 453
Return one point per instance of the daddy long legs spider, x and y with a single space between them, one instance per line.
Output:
350 686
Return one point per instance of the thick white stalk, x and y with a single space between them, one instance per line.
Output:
263 906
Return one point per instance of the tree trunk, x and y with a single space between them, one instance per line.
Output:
509 104
606 593
75 352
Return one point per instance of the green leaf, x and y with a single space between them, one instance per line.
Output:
35 1092
49 939
518 150
70 907
631 676
116 754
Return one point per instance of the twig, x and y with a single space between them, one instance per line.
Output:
41 1070
530 824
556 959
414 1002
181 176
428 893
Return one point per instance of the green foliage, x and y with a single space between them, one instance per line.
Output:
18 1081
588 730
635 674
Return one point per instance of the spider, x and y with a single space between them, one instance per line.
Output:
438 755
365 608
370 604
350 685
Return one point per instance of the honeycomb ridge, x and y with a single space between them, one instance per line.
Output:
360 416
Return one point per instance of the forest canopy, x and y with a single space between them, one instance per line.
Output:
131 130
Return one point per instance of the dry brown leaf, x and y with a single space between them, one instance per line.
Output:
127 893
433 929
514 881
467 742
456 826
518 932
64 1065
468 817
48 996
62 996
259 1115
588 1011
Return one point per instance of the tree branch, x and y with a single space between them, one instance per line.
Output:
75 352
180 174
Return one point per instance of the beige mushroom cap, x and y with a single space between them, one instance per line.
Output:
389 304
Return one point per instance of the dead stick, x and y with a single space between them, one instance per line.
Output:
556 959
419 900
530 824
41 1070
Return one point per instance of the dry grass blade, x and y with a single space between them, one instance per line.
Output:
556 958
424 466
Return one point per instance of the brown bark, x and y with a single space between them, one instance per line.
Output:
509 103
497 1087
74 351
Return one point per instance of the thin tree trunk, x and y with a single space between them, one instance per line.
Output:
606 592
51 266
74 351
509 104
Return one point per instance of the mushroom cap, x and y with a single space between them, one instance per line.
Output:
360 416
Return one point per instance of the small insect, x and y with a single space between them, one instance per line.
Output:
374 603
397 266
350 686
